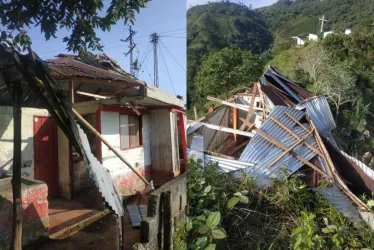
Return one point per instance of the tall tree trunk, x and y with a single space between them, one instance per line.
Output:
337 114
16 180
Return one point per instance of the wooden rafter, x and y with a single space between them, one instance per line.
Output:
250 108
280 145
282 126
290 149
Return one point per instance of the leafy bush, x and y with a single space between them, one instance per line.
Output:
233 213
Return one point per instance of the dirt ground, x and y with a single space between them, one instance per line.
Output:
97 236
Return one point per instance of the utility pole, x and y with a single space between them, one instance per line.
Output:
323 20
132 47
154 40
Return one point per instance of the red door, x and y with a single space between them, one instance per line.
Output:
45 153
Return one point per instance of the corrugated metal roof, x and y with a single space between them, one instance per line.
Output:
102 177
67 68
226 165
368 171
340 202
261 152
319 112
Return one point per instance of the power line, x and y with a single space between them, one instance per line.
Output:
171 31
148 72
175 36
172 55
167 70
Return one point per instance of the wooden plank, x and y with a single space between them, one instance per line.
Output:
219 155
248 124
94 95
237 148
133 106
71 91
231 104
228 130
261 100
280 145
289 149
326 156
250 108
235 121
297 122
316 151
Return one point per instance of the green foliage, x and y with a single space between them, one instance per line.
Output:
292 18
179 237
286 215
215 26
224 70
82 18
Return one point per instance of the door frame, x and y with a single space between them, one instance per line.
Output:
56 178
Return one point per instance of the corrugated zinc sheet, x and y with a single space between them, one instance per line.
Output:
225 165
67 68
340 202
262 152
368 171
102 177
196 147
319 112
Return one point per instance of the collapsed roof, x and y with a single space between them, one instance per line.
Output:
278 125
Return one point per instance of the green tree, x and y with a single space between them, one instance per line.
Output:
81 18
224 70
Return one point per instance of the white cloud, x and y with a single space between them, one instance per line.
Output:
255 3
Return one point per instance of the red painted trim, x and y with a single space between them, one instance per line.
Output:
183 135
140 133
121 110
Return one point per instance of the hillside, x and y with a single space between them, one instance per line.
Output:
216 26
288 18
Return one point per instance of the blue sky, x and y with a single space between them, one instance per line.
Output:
255 3
166 17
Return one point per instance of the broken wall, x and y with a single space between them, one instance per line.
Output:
214 138
164 146
127 181
166 211
27 133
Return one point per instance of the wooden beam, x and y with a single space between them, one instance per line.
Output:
297 122
237 148
94 95
93 130
228 130
281 125
219 155
16 179
133 106
250 108
235 121
290 149
71 91
248 124
234 105
280 145
261 100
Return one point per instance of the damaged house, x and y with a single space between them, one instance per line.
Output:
91 133
278 125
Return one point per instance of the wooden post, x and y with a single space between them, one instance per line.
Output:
235 121
195 113
71 91
16 180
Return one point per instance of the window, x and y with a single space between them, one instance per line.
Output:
130 131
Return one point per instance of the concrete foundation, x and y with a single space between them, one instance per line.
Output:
35 212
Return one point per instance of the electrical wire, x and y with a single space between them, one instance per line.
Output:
172 55
167 70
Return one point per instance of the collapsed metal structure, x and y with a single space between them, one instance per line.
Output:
278 125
